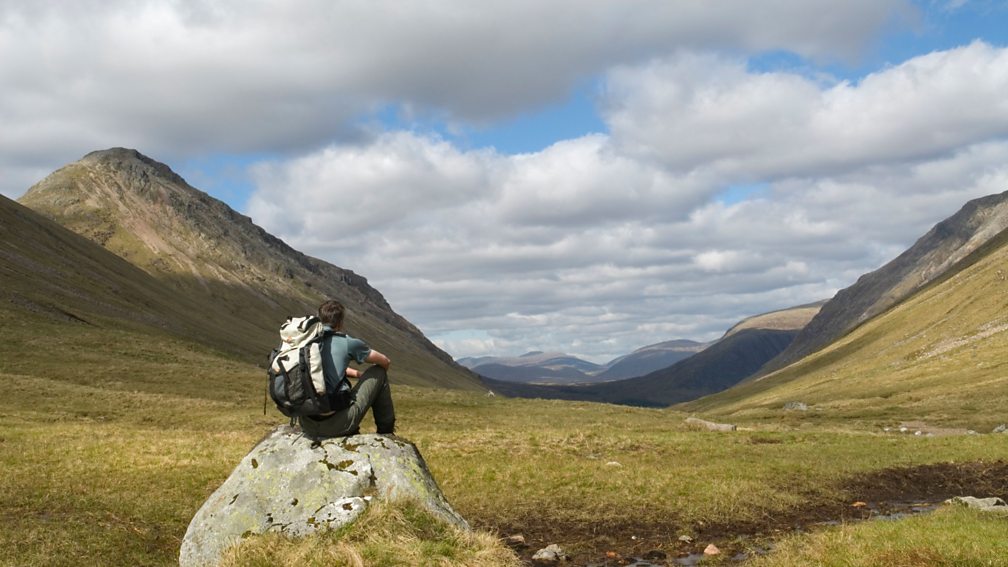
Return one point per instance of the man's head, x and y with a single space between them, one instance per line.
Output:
331 313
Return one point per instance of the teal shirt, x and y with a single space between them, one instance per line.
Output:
335 359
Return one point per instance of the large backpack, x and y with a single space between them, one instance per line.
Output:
296 380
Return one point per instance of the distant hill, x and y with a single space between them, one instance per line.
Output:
716 368
938 355
929 258
533 367
646 360
559 368
726 362
209 256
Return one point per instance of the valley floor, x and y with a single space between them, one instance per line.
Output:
108 468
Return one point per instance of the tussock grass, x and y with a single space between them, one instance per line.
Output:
950 537
388 534
105 462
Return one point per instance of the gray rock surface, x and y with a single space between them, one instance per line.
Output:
992 504
292 485
709 425
549 555
796 406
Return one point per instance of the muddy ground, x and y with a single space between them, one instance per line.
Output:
887 491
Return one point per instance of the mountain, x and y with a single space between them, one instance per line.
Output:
534 367
649 359
558 368
208 255
726 362
937 356
929 258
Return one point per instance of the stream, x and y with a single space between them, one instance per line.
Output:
883 511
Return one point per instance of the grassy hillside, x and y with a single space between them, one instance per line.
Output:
930 258
940 356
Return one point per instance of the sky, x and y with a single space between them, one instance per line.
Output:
580 176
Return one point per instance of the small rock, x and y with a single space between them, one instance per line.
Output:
903 429
685 539
516 540
613 464
859 504
971 432
611 555
1000 429
886 429
709 425
797 406
711 550
550 555
918 432
992 504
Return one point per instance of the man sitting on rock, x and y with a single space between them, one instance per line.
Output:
372 389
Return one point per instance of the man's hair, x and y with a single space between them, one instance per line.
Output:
331 313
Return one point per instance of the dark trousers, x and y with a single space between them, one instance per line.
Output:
372 391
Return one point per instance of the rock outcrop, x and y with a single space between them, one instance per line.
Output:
293 485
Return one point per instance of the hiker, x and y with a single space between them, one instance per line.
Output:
372 389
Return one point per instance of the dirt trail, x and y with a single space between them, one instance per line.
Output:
886 491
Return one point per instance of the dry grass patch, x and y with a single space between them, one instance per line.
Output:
387 534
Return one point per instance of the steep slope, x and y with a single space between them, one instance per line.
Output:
942 247
206 252
940 355
731 359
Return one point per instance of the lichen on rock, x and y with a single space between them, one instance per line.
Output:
296 486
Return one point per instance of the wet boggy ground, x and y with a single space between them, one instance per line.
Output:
890 492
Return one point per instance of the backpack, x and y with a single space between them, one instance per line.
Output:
295 376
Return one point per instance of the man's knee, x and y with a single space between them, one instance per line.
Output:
376 373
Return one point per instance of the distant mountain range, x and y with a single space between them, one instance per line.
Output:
118 242
558 368
154 252
740 353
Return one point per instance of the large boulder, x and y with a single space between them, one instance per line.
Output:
293 485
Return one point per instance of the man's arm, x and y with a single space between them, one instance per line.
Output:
352 373
378 358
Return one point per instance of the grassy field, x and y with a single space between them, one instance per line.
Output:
104 462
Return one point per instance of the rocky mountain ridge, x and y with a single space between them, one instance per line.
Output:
148 215
947 243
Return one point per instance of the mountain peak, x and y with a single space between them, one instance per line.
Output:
148 215
126 159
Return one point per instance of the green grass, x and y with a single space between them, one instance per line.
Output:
950 537
105 459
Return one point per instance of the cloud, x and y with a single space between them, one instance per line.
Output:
182 79
702 109
602 244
